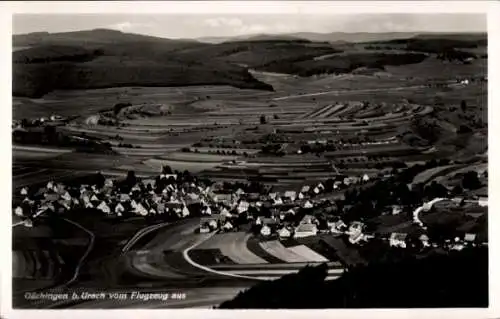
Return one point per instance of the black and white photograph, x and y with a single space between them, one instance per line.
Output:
249 161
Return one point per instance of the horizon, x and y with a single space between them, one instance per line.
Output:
185 26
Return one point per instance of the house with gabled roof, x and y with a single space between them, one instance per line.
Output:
307 204
284 233
316 190
119 208
24 191
104 207
19 211
141 210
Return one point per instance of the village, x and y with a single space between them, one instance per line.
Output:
308 211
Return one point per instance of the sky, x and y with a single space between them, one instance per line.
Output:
225 25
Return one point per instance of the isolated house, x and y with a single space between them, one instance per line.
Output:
398 240
278 201
300 196
305 189
366 178
316 190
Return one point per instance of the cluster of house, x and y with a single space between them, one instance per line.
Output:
142 199
220 209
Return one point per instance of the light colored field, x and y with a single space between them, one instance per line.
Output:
307 253
279 251
234 246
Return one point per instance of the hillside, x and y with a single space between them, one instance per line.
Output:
434 281
105 58
315 37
